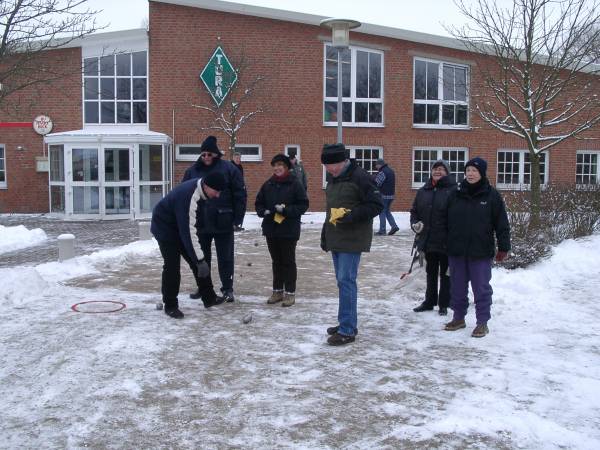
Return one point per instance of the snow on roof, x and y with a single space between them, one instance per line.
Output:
107 134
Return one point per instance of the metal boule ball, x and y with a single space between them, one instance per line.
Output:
247 318
159 306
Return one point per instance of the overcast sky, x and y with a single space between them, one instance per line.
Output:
427 16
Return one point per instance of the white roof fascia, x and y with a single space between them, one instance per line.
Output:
312 19
111 135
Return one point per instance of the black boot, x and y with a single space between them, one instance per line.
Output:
423 307
333 330
172 310
443 311
212 300
228 297
196 295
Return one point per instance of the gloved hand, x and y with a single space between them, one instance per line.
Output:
501 256
280 208
417 227
203 269
346 218
267 212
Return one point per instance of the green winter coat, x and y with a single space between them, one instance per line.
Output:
354 189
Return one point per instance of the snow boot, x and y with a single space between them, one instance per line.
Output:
340 339
289 298
172 310
455 324
275 297
213 300
480 331
423 307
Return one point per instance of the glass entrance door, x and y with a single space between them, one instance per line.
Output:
85 182
117 181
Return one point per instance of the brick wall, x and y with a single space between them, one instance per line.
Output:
27 190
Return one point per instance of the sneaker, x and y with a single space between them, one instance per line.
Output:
423 307
393 231
173 312
332 330
289 298
340 339
213 301
443 311
228 297
455 324
275 297
480 331
380 233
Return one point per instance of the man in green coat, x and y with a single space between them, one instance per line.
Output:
352 202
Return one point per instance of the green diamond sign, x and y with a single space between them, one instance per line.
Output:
218 76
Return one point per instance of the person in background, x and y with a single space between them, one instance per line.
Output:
219 215
428 219
237 162
175 234
281 202
476 213
352 202
298 168
386 182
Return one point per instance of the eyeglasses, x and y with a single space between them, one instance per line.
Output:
207 155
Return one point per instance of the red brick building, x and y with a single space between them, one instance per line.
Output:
127 128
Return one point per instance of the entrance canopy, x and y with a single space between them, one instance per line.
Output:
107 172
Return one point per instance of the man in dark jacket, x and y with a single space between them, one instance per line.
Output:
428 218
352 202
385 180
476 212
219 215
237 162
298 168
281 202
175 234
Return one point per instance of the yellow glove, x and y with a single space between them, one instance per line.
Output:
336 214
278 217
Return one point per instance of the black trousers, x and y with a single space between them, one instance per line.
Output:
225 261
172 252
437 266
283 257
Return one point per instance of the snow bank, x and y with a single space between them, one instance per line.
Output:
18 237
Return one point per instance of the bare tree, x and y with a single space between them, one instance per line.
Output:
28 29
241 104
543 87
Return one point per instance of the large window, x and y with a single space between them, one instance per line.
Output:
116 89
249 152
362 86
587 172
424 157
440 94
57 179
514 169
2 167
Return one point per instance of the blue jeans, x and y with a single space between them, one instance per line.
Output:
386 213
346 271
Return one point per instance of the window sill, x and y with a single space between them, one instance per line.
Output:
3 186
355 125
443 127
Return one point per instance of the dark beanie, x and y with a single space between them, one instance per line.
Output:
280 157
215 180
210 145
444 164
479 163
334 153
380 162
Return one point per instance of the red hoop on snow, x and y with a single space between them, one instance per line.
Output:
120 308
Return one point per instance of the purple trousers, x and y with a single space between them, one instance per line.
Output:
479 273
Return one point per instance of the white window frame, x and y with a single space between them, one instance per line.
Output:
520 186
3 184
440 101
250 158
192 157
588 185
116 101
353 99
298 152
439 155
352 150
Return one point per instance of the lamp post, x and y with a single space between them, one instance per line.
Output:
340 39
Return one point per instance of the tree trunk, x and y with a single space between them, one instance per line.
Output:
232 142
535 193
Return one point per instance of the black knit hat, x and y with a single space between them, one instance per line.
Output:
334 153
479 163
280 157
210 145
215 180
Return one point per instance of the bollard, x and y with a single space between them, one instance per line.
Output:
144 231
66 247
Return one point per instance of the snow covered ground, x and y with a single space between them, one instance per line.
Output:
138 379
